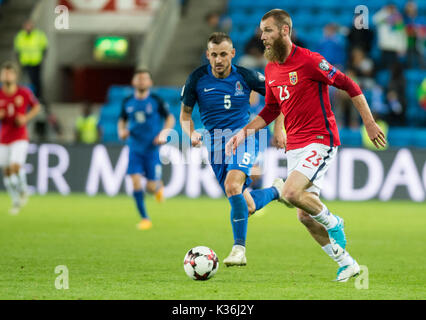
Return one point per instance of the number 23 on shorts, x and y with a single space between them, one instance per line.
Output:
313 160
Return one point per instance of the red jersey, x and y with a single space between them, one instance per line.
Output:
14 105
299 89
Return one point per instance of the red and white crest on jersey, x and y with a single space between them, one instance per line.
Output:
293 77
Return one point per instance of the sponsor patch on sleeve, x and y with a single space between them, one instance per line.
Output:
324 65
332 73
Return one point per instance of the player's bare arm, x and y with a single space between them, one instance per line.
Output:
123 132
188 125
2 113
23 119
279 138
251 128
161 138
374 132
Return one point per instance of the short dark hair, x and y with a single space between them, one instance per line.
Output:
142 70
218 38
281 18
9 65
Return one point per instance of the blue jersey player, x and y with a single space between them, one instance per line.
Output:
144 122
222 91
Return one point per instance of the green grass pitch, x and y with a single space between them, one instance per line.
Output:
107 258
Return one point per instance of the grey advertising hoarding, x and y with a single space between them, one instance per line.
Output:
356 174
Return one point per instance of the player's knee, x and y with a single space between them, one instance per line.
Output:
151 187
233 188
291 195
136 182
14 168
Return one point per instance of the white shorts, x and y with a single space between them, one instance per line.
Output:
14 153
313 162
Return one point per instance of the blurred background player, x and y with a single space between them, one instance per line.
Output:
145 121
222 91
300 99
14 101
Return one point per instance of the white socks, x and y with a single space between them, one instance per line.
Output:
342 260
11 184
22 181
326 218
16 185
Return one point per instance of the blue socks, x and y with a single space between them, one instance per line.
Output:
140 203
239 216
239 211
262 197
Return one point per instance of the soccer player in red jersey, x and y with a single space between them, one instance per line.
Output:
14 101
297 96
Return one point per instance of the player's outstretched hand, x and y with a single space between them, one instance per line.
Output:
20 120
376 135
196 139
161 138
234 142
123 133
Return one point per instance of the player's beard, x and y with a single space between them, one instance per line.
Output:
142 90
225 69
7 84
277 51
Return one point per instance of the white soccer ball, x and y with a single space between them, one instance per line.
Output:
201 263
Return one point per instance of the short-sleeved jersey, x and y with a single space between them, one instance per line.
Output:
299 88
145 119
14 105
223 103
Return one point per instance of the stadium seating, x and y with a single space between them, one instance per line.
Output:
309 17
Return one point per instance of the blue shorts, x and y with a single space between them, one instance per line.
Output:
243 160
146 163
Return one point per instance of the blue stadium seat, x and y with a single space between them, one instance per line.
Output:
415 75
419 138
344 19
416 116
118 93
243 6
421 5
170 94
303 18
238 18
323 19
383 77
400 137
350 137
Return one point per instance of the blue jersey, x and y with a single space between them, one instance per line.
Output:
145 118
223 103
